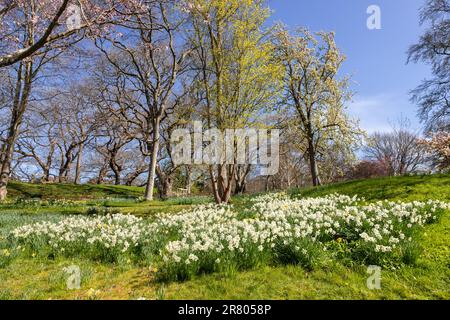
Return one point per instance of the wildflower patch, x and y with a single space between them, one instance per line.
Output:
211 238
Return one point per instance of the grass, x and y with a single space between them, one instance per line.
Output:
70 191
429 278
25 198
421 187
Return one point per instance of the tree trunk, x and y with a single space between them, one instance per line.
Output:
116 170
66 164
240 188
131 178
153 163
46 175
222 185
4 178
78 168
117 178
188 180
22 91
313 165
49 162
7 154
242 173
164 183
102 174
165 187
214 186
267 184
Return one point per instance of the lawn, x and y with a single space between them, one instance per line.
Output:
34 276
71 191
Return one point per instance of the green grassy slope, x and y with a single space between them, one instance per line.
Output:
429 278
88 199
20 190
435 187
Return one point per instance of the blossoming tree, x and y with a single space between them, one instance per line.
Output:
439 147
315 94
55 22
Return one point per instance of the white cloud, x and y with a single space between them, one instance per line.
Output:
380 112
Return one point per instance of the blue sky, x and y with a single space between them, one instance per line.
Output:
375 58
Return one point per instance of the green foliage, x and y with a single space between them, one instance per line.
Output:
302 252
239 76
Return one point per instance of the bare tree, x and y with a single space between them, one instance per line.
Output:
114 138
399 151
433 48
147 64
38 141
76 125
138 167
21 25
18 92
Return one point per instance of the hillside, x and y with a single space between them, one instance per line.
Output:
424 187
20 190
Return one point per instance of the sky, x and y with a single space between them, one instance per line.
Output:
376 59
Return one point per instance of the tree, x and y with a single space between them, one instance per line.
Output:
235 72
167 169
29 40
433 48
439 147
17 91
314 95
147 63
38 141
399 151
76 124
335 160
293 169
110 144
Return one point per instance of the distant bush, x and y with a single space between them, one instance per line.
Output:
367 169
